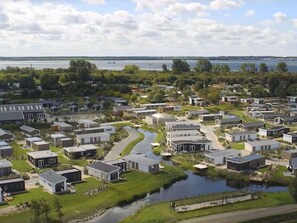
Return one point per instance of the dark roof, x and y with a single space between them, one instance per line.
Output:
222 153
11 180
104 167
33 107
252 124
141 159
11 116
245 159
52 176
227 120
275 128
28 128
5 163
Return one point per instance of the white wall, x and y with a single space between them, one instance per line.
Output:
287 138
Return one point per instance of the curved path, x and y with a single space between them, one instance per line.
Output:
114 153
209 133
241 216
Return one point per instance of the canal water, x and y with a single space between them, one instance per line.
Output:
193 186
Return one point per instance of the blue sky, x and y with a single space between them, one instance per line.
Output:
148 27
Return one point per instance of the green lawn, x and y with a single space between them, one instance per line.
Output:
64 160
237 145
164 213
186 161
135 185
131 145
21 165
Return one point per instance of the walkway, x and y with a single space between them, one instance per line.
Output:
114 153
209 133
240 216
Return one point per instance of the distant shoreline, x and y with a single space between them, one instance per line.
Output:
43 58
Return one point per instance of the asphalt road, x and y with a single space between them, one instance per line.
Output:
114 153
240 216
208 130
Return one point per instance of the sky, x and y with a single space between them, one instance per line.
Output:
148 28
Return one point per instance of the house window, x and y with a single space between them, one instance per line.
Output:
52 160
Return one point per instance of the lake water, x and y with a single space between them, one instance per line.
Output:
143 64
193 186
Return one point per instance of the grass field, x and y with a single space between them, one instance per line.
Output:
131 145
237 145
163 212
135 185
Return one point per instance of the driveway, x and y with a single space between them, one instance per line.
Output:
114 153
240 216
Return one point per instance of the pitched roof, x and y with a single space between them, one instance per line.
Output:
2 143
52 177
72 170
11 180
82 136
104 167
11 116
4 131
252 124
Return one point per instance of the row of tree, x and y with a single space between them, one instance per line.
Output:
181 66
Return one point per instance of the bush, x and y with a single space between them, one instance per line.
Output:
25 176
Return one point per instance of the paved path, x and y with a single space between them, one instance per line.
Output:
240 216
209 133
119 146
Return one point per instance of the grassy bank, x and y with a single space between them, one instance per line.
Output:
288 218
133 143
163 212
135 185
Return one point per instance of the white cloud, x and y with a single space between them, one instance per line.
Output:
250 13
280 17
225 4
94 2
294 22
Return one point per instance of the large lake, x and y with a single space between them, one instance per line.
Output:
143 64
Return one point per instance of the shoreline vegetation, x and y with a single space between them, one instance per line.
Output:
163 212
133 186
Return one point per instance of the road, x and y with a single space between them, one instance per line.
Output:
114 153
209 133
240 216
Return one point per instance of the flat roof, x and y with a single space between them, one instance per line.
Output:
221 153
241 133
187 131
62 124
92 135
58 135
185 138
245 159
28 128
140 159
192 142
42 154
11 116
5 163
145 111
89 147
72 170
252 124
104 167
181 123
41 143
200 166
5 147
112 162
12 180
33 139
74 149
2 143
294 163
262 142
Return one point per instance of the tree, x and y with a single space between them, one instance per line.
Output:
58 209
280 91
281 67
164 68
263 68
203 66
81 68
248 68
131 69
293 187
214 95
27 82
180 66
292 89
180 83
